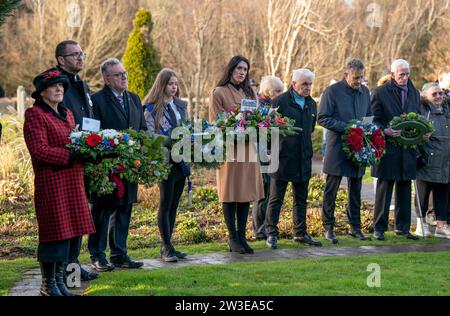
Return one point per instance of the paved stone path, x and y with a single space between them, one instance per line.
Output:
29 286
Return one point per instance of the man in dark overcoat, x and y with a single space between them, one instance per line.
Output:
118 109
398 165
70 62
295 156
342 102
70 58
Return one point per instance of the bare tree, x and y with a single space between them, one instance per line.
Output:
29 38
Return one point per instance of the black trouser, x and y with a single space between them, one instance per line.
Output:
59 251
277 192
353 204
402 205
259 211
115 222
440 198
170 192
119 225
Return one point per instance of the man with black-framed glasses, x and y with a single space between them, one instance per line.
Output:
70 62
70 58
116 108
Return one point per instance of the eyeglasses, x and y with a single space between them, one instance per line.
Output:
77 55
435 94
404 75
119 75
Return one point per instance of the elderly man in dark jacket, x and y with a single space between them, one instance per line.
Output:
294 158
70 59
340 103
398 165
118 109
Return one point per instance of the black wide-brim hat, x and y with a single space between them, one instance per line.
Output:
49 78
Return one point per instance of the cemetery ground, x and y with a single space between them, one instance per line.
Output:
293 269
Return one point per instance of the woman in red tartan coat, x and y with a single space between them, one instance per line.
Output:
62 209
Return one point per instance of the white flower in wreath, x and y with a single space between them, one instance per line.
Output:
110 133
75 136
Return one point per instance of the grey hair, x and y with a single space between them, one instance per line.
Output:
354 64
429 85
399 63
303 72
108 63
270 83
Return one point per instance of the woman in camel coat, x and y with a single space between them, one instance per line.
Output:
238 183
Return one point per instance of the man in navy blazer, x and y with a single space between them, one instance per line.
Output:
119 109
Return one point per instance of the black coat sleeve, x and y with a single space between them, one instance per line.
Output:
96 107
377 110
326 111
142 124
314 114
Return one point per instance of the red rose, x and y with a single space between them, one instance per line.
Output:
93 139
280 121
111 142
356 130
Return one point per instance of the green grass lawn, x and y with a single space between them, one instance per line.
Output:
401 274
12 270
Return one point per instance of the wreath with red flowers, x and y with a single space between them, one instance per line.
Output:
363 143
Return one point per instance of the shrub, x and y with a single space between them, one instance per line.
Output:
140 59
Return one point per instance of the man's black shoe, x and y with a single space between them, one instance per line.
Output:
378 235
357 233
180 255
331 236
102 265
271 242
408 235
128 264
306 239
88 275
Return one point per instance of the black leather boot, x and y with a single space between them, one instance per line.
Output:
242 217
48 286
229 214
59 278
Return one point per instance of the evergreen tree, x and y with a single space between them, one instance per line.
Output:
6 7
141 59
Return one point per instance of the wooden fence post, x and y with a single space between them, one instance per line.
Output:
21 101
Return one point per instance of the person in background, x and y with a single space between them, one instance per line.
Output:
270 88
70 62
164 111
255 86
434 173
